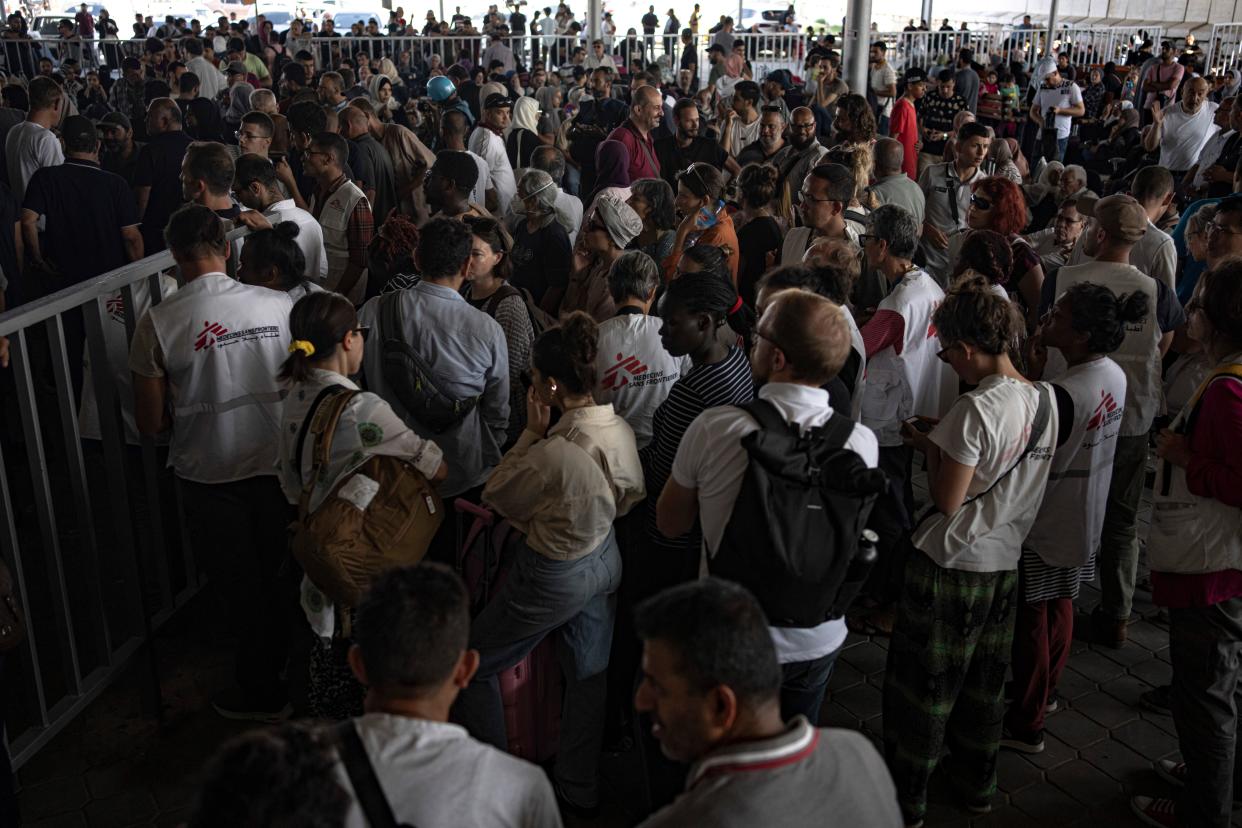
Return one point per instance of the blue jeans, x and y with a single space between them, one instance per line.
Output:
538 597
803 684
881 125
1062 143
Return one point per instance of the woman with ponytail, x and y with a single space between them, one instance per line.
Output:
563 485
272 259
696 308
1058 556
700 190
326 349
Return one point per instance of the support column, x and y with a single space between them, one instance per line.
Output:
857 44
1052 26
595 20
927 12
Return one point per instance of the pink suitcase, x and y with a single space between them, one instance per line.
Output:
532 689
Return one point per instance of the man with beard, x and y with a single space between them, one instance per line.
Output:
646 112
120 150
805 154
687 147
343 212
1055 243
770 148
488 143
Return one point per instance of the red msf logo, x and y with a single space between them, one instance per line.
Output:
613 377
1107 406
207 336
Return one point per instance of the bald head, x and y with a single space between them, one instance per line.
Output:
889 156
801 128
353 122
646 108
1194 94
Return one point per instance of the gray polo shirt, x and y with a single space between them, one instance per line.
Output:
898 189
940 183
465 349
804 776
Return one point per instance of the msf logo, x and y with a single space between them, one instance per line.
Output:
613 377
207 336
1107 406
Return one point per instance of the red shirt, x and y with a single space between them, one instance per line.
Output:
903 125
1215 471
643 162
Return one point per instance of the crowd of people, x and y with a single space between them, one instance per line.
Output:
585 291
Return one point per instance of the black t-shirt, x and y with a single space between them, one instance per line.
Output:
517 23
936 113
754 241
674 159
86 207
159 167
650 22
540 259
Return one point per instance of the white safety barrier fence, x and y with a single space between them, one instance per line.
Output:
90 521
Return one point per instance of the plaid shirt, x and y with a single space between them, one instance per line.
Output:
126 98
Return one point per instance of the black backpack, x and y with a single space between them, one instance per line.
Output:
796 535
409 375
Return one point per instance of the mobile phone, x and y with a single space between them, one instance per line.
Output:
919 424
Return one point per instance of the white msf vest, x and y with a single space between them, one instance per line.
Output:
899 386
334 219
1139 354
116 361
860 377
1191 534
1067 530
223 343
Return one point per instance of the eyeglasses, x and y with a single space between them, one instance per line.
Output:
806 196
247 136
758 334
867 238
980 202
363 331
1214 227
1065 220
942 354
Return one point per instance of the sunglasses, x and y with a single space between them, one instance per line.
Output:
362 330
980 202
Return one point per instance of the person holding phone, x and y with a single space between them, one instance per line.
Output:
988 460
705 220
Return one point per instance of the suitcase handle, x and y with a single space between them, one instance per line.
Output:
479 512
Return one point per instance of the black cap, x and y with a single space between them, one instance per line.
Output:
497 101
119 119
79 130
915 75
780 76
716 47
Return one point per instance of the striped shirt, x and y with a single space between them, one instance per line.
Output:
727 382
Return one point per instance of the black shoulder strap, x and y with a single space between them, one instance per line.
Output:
371 798
502 293
836 430
766 414
389 315
1043 413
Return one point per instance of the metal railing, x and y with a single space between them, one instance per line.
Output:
1225 49
1087 45
89 515
22 56
766 51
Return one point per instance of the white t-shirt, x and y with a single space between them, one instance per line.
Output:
434 773
988 428
310 237
489 146
1184 135
635 372
29 147
479 194
742 136
881 78
711 460
1063 97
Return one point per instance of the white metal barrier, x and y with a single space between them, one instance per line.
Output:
1225 50
89 517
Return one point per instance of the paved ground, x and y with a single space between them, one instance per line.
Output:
113 767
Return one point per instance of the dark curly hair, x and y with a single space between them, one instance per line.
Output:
282 776
757 183
860 120
568 351
1103 315
1008 214
980 318
987 253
